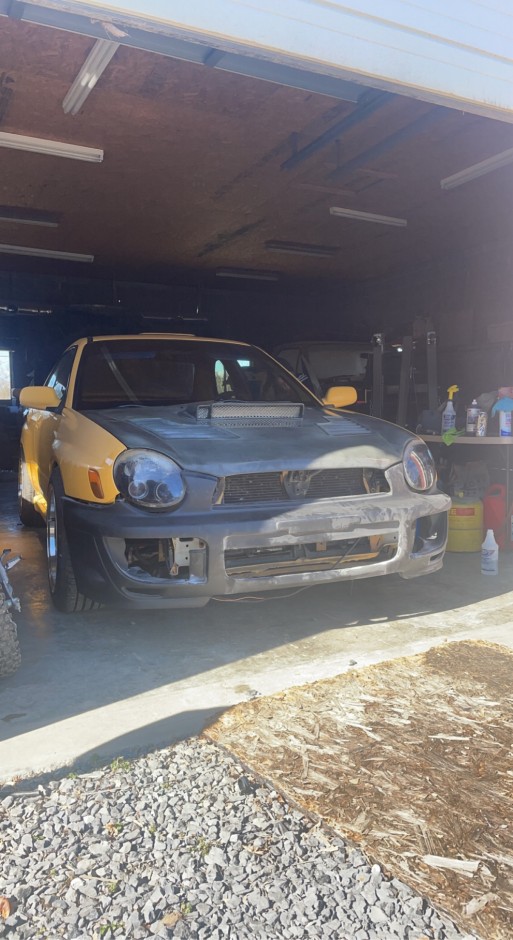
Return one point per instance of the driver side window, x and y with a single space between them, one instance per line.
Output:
59 377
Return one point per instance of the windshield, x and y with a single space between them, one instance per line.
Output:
332 361
157 372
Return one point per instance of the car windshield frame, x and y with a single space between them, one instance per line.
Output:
214 370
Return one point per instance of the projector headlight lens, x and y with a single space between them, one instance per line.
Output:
149 479
419 466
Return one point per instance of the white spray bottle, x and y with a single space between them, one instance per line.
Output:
449 413
489 554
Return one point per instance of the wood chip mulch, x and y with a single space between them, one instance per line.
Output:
412 759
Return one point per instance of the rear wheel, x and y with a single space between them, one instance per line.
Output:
27 512
61 577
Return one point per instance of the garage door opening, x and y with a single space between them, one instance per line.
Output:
337 222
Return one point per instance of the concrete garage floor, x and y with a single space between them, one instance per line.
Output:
95 686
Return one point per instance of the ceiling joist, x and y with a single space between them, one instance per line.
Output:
412 130
367 105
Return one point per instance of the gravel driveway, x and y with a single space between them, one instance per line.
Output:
184 844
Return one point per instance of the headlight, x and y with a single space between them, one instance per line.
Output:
419 466
149 479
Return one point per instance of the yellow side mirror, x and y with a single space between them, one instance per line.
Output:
39 397
340 396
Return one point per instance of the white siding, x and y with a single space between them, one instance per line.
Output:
456 52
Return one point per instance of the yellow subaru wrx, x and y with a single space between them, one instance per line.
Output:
172 469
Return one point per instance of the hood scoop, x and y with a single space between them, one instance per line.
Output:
242 414
344 427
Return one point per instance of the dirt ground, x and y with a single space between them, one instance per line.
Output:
412 759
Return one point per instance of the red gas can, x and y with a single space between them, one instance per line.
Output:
494 513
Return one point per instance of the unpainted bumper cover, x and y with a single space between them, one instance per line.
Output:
91 528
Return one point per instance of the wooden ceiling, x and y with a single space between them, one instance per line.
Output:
203 168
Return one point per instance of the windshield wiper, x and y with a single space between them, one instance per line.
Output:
117 375
131 404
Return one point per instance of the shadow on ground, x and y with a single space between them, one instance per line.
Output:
132 676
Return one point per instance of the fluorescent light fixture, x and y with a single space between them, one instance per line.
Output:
22 216
477 170
298 248
247 274
92 69
44 253
378 174
331 190
51 148
368 217
26 311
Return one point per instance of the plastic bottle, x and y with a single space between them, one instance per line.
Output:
489 554
472 413
505 423
449 414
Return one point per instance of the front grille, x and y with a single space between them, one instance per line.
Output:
253 488
305 558
320 484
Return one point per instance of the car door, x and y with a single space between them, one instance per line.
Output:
41 427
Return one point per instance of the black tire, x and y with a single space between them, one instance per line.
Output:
10 653
61 577
29 516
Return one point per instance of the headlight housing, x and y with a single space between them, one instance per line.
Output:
419 466
149 479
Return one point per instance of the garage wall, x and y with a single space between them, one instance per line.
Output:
468 298
78 307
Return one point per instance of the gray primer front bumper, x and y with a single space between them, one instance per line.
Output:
94 531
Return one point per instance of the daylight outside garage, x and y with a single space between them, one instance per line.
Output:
329 185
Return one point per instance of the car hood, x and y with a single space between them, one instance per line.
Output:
322 439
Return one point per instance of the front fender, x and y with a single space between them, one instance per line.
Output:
80 445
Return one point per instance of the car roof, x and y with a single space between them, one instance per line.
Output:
127 336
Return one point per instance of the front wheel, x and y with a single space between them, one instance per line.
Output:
61 577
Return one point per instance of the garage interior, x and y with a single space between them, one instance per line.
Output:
198 199
201 204
210 210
